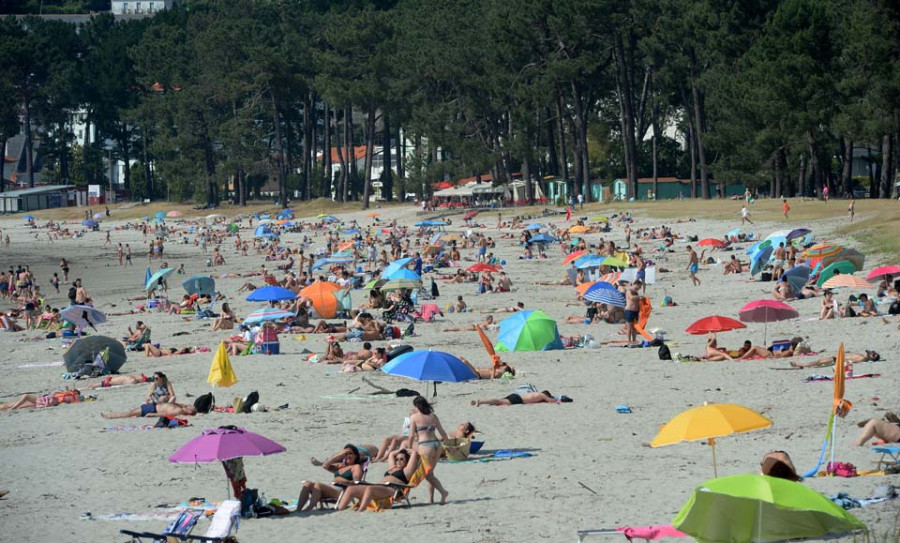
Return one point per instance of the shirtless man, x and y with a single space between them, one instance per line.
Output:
792 256
778 261
155 410
693 265
632 309
853 358
519 399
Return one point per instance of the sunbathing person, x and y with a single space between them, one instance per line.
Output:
853 358
28 401
156 352
153 410
324 327
366 452
778 464
488 324
714 353
882 429
333 353
402 464
494 372
520 306
374 362
519 399
755 352
346 468
118 380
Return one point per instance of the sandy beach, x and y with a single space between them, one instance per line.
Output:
590 467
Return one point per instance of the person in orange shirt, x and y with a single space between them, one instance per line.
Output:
785 207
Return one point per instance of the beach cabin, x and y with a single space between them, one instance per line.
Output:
45 197
669 188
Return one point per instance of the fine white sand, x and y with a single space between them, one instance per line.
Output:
592 467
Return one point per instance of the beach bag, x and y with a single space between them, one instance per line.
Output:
895 308
434 289
457 449
249 500
664 353
205 403
841 469
169 421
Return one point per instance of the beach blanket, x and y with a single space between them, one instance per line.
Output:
498 456
42 365
815 377
140 427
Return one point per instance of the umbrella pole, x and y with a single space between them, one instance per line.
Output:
712 443
833 438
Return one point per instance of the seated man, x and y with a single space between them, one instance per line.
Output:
155 410
519 399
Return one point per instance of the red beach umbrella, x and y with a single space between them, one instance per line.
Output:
713 324
712 242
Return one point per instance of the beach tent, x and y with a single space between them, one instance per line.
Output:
324 297
84 351
531 330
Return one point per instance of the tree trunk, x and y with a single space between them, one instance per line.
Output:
29 146
778 191
3 140
337 188
655 127
370 155
279 153
401 158
63 153
626 111
814 170
583 171
698 132
145 160
554 157
387 175
801 177
125 149
209 159
313 149
847 167
887 165
349 152
309 142
326 154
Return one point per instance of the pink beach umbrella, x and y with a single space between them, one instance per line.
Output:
224 443
767 311
879 274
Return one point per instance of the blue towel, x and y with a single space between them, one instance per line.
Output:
508 453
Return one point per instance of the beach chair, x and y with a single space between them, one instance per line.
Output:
180 529
139 344
890 455
401 493
331 503
226 520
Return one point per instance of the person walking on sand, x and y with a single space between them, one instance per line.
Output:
120 254
851 211
747 196
693 265
568 215
128 255
745 215
785 208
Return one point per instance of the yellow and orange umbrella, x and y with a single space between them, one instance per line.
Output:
841 406
578 229
845 280
582 288
324 298
372 215
822 249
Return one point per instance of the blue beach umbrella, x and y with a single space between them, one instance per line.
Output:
603 295
435 366
200 284
534 226
351 231
403 275
271 294
157 278
28 217
592 290
542 238
160 214
90 223
734 232
797 277
147 275
797 233
759 260
589 261
268 314
395 266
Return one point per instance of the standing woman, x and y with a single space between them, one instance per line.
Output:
64 266
424 423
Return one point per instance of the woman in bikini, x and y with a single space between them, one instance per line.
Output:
494 372
423 424
346 468
226 321
401 466
161 389
118 380
156 352
714 353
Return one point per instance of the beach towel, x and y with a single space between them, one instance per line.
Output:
650 532
815 377
141 427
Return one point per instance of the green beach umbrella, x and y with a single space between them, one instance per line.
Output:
614 262
528 331
758 508
844 266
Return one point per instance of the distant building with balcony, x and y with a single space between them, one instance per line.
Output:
136 7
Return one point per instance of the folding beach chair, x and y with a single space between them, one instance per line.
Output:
180 529
892 452
401 493
226 520
331 503
139 344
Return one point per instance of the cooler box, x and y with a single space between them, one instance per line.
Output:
273 347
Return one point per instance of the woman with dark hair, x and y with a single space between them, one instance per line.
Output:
423 425
401 466
161 390
346 468
226 321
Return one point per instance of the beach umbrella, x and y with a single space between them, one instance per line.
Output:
761 509
767 311
372 215
84 351
531 330
221 373
578 229
322 262
482 267
352 231
450 237
147 275
173 214
735 232
574 255
822 249
611 278
434 366
29 217
753 248
160 214
714 324
323 296
224 443
470 215
200 284
847 281
542 238
879 274
708 422
609 296
759 260
83 315
589 260
397 284
395 266
404 275
158 278
90 223
849 254
213 216
233 228
797 277
268 314
98 215
534 226
346 245
835 268
614 262
712 242
797 233
271 294
583 287
374 283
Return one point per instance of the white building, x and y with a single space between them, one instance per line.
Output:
129 7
